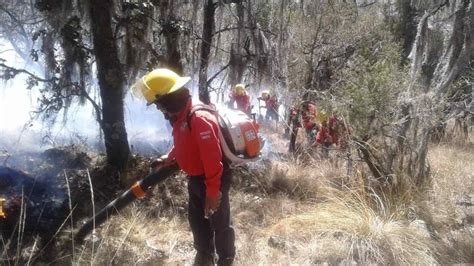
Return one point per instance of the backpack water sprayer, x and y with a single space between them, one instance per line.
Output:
238 134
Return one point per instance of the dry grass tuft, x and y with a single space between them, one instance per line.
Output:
311 213
453 179
135 238
347 227
295 179
450 201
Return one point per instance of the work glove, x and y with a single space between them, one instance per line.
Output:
211 205
160 162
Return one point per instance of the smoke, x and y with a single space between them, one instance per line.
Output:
148 131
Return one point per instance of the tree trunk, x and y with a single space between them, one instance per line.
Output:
207 30
407 27
372 161
172 36
236 63
460 48
261 46
419 46
323 74
283 45
111 83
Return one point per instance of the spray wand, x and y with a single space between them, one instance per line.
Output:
138 190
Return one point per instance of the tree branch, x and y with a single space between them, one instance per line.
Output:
217 73
97 108
366 4
245 27
16 71
435 10
17 21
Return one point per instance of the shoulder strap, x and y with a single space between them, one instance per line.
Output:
198 107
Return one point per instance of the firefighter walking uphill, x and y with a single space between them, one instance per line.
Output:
308 116
271 104
240 96
198 153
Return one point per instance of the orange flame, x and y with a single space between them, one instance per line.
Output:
3 214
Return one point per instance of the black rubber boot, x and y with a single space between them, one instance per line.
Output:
203 259
225 262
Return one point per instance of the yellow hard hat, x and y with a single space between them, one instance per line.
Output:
157 83
322 116
239 89
265 94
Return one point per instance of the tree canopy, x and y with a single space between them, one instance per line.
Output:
385 65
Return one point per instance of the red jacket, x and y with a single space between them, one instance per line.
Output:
271 103
197 150
308 116
243 101
324 136
329 133
333 122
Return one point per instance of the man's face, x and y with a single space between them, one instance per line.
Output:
171 117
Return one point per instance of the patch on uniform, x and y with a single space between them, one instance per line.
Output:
184 126
205 134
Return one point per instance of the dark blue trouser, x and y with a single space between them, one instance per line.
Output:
215 234
272 114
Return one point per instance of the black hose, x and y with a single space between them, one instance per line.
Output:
125 199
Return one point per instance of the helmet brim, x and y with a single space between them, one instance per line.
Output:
180 82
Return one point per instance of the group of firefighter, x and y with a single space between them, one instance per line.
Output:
198 152
241 98
321 128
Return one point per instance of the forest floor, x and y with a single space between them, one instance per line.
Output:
286 210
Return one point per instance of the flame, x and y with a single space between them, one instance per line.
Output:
3 214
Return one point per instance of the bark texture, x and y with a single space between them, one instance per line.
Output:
111 82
